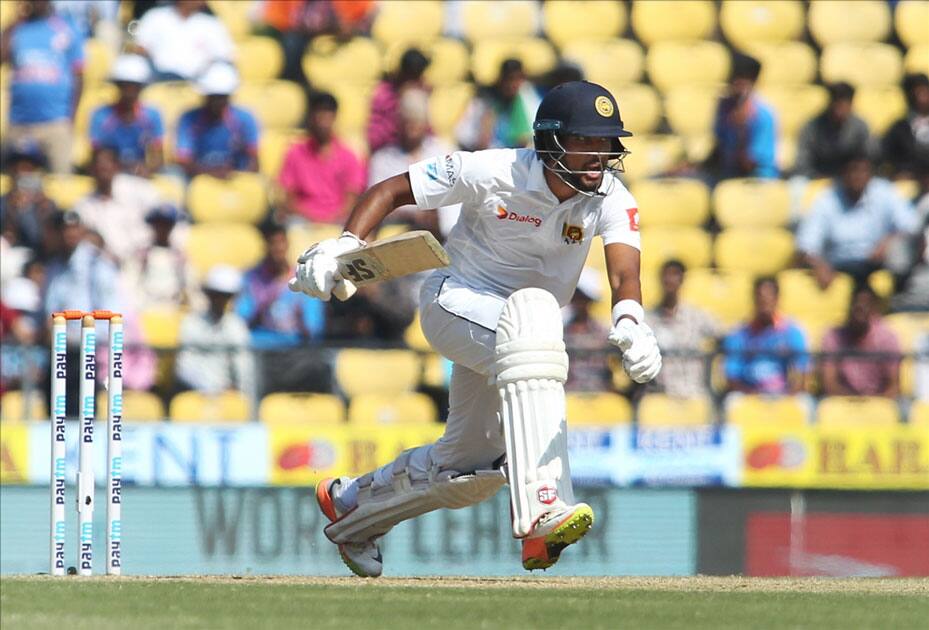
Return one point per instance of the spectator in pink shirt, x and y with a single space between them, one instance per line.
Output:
863 332
321 176
384 122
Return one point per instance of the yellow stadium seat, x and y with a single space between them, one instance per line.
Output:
354 107
537 55
917 59
841 412
597 409
862 65
660 410
834 21
92 98
639 106
698 147
608 62
727 295
690 245
277 104
236 244
919 414
786 153
880 106
404 408
414 337
235 15
691 109
408 23
138 406
907 188
673 20
327 63
909 327
747 22
785 63
447 103
488 19
98 58
6 182
301 409
671 201
910 19
756 250
170 189
161 328
303 235
360 371
569 21
259 59
229 406
882 281
672 64
241 198
781 412
795 105
652 155
16 406
814 188
449 60
908 377
436 370
272 147
750 202
66 190
802 298
171 99
9 11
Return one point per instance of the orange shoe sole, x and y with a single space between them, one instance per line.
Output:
544 551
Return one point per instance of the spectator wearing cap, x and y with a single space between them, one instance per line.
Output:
134 129
321 176
684 333
25 208
159 274
835 132
21 360
501 115
182 40
47 57
588 368
745 127
217 137
214 354
906 144
383 123
853 223
116 208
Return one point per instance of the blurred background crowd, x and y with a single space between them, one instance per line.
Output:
169 160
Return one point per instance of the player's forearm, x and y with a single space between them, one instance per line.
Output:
378 202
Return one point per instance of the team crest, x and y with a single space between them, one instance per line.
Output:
572 234
604 106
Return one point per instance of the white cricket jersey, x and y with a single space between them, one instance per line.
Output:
513 233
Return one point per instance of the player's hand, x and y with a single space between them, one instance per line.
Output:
317 272
641 356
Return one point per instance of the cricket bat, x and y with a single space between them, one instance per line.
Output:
401 255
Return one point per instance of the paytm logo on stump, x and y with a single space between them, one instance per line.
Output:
505 215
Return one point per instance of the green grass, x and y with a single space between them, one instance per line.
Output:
449 604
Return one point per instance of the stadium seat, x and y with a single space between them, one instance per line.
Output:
919 414
272 147
327 64
284 408
235 16
660 410
786 153
909 328
907 188
910 19
359 371
672 64
842 412
690 109
171 99
447 103
597 409
751 202
882 281
404 408
795 105
229 406
414 338
781 412
6 182
259 58
241 198
813 190
917 59
277 104
354 107
908 377
802 298
567 21
727 295
836 22
236 244
138 406
161 327
862 65
66 190
671 201
759 251
303 235
488 20
607 62
437 370
17 406
673 20
4 110
785 63
169 189
538 56
407 23
639 106
880 106
747 22
449 60
690 245
652 155
98 58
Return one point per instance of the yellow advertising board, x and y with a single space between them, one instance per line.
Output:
862 458
14 452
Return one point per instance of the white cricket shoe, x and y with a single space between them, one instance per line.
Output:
553 532
364 558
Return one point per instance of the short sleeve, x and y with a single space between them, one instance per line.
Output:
250 132
184 143
619 220
447 179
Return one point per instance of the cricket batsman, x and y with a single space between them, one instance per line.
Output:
526 224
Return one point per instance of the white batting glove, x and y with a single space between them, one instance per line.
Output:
317 272
641 356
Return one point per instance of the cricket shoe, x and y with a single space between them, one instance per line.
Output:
553 532
364 558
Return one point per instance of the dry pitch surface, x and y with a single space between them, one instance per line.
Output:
693 603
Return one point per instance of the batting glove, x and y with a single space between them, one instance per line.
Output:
641 356
318 274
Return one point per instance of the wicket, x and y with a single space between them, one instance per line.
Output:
85 474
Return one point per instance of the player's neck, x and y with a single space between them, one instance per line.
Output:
561 190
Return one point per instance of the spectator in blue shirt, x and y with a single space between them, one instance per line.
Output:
745 127
853 224
276 316
217 138
767 355
47 57
133 129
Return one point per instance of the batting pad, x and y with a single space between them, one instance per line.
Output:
531 368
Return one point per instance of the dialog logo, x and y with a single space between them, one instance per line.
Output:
505 215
